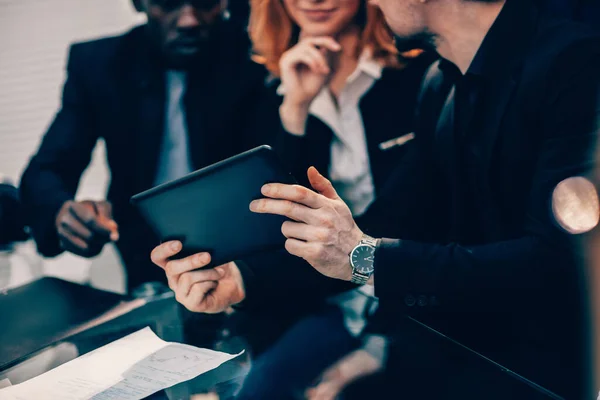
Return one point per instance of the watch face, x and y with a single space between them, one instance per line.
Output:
363 259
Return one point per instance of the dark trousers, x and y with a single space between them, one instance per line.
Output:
298 358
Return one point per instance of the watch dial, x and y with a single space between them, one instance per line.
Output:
363 258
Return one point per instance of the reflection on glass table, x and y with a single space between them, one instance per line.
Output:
51 322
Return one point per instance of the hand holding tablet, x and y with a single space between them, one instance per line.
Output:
199 289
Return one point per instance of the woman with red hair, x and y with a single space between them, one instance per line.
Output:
346 95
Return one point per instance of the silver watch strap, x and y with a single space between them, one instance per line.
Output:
371 241
359 279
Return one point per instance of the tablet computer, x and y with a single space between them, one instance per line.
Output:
208 210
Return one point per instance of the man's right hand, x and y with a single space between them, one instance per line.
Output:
200 290
84 227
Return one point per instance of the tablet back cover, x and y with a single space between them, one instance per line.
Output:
208 210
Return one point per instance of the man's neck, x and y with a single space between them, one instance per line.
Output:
462 29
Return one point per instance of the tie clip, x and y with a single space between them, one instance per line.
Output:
399 141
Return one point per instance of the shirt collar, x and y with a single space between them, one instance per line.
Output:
488 54
366 64
506 42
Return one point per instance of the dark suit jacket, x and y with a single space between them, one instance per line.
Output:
511 288
115 91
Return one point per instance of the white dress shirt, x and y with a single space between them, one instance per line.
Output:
174 159
350 169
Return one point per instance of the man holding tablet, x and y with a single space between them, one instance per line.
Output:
510 111
167 97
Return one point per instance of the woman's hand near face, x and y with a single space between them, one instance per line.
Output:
305 70
200 290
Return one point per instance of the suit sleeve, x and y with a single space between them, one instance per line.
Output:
53 173
482 277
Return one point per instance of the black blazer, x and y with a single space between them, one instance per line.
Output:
115 91
387 111
514 291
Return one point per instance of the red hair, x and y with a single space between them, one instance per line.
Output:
273 32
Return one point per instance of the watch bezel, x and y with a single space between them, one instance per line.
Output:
355 268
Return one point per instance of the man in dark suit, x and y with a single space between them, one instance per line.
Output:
511 110
167 98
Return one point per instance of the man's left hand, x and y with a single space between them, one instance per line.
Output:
322 230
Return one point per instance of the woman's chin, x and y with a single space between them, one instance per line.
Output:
316 31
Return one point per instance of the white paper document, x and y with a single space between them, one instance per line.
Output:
130 368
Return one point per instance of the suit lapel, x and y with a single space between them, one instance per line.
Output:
500 92
504 49
445 135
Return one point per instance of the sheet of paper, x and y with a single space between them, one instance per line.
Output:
128 369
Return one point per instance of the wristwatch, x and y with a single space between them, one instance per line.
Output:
362 259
